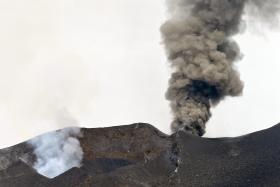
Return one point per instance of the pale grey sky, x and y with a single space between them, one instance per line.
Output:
101 63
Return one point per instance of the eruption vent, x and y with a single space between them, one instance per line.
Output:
199 44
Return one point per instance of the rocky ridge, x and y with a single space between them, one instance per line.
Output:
139 155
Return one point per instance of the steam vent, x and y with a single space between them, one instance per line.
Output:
139 155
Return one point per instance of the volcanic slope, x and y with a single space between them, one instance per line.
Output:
139 155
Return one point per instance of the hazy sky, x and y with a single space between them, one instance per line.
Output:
101 63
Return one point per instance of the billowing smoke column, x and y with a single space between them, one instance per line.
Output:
57 152
199 44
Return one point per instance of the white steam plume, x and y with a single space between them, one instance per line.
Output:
58 151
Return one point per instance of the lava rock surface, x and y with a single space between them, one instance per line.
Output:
139 155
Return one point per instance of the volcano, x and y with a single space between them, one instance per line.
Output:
139 155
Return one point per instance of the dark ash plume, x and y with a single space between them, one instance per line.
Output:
199 44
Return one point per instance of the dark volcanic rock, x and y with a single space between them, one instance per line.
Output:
139 155
20 174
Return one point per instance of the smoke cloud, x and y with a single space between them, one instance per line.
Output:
58 151
200 48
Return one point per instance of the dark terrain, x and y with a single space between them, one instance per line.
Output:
139 155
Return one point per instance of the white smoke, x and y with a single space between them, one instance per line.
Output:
57 152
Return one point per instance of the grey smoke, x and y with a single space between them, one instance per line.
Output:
199 44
